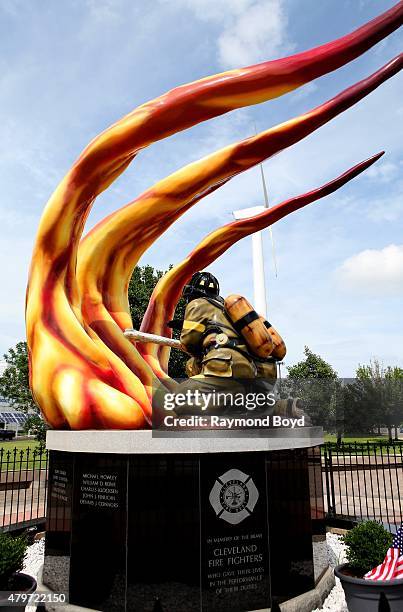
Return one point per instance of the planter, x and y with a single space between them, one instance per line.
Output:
22 583
371 596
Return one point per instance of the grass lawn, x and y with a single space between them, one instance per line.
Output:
18 444
358 439
21 459
377 445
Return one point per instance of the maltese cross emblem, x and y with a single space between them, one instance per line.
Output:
233 496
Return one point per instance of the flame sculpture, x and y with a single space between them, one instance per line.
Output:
83 372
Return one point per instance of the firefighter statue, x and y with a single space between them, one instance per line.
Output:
231 346
226 338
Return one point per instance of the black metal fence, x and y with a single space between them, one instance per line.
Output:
363 481
23 487
360 481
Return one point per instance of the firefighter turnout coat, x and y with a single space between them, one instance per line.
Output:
216 347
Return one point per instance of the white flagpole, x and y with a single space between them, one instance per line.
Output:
266 204
259 277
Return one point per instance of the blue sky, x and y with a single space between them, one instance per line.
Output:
69 69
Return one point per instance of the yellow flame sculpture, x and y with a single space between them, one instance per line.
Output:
84 373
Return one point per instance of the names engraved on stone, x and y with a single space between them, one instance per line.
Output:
59 485
99 490
235 563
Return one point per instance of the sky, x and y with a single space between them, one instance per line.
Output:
69 69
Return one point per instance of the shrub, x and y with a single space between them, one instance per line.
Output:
367 545
12 553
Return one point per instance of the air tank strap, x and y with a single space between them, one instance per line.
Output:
254 358
233 343
245 320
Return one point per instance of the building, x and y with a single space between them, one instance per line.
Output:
9 417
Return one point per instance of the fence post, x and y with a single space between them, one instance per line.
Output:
331 504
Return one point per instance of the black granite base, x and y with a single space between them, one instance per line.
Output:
219 532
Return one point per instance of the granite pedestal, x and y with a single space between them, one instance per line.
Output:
184 524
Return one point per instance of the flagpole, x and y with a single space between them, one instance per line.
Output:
259 276
266 205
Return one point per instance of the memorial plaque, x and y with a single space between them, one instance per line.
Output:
164 534
100 489
98 555
234 534
56 567
319 545
290 519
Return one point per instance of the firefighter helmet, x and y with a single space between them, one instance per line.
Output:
202 284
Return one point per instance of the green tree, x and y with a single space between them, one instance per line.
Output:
14 382
142 283
377 396
141 286
312 367
38 427
394 398
360 407
316 383
14 387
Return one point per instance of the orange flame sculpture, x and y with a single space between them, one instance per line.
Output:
84 373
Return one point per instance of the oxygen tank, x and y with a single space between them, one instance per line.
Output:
279 350
250 325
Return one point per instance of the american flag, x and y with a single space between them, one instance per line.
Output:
392 566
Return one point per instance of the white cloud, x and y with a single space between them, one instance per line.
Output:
215 10
258 34
303 92
373 272
384 172
387 209
251 30
12 7
104 10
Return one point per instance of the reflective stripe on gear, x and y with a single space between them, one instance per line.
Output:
193 326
